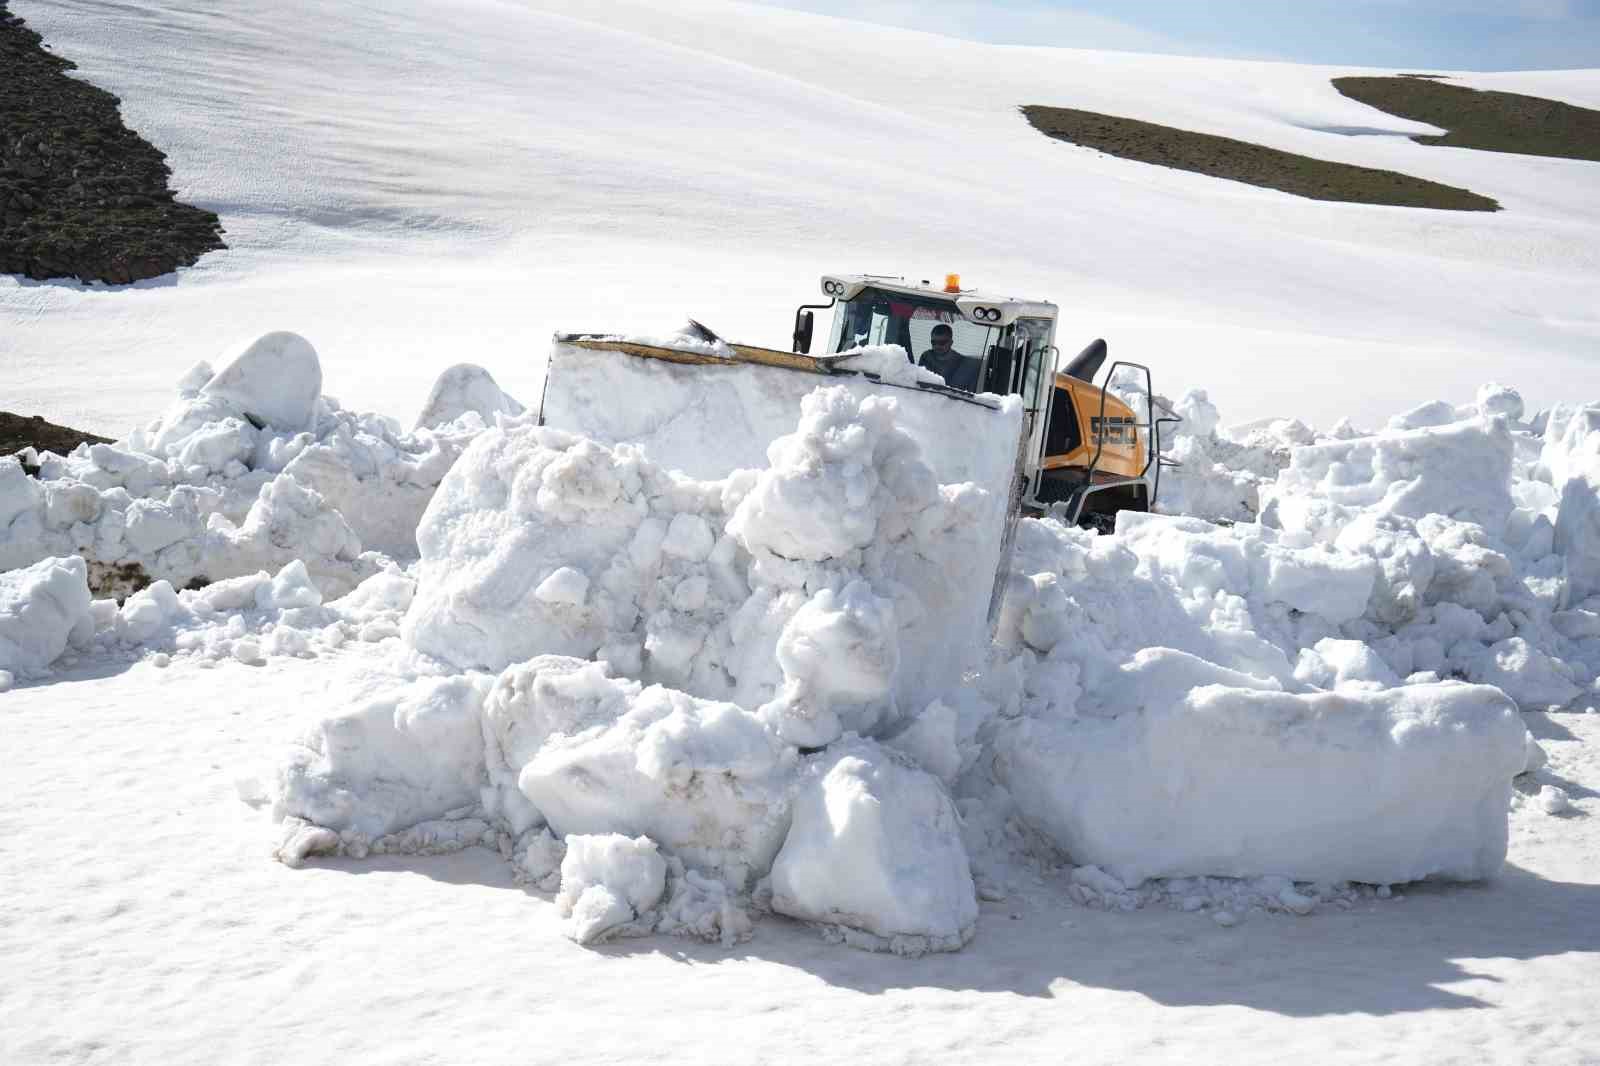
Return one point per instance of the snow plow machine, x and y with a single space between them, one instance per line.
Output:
1003 413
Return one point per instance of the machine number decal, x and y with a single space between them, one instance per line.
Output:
1114 429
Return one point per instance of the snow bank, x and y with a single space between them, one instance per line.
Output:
251 468
41 607
1285 696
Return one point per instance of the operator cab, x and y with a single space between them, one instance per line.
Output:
1003 345
997 344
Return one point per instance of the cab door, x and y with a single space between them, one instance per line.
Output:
1033 341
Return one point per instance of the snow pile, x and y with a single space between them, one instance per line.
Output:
1187 700
41 607
839 588
251 468
1218 473
254 617
664 650
777 678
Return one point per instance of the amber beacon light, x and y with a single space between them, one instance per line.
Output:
952 283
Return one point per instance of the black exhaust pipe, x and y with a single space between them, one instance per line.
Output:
1088 362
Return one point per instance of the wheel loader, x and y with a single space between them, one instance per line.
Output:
1005 426
1082 452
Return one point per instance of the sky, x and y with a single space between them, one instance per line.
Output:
1442 34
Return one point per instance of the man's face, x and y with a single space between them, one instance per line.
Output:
941 342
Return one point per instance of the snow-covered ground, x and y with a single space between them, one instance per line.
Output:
145 922
411 185
758 694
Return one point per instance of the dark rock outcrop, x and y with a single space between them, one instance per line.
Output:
81 195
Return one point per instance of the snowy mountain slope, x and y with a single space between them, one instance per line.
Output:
420 184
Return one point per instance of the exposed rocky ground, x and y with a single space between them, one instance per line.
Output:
21 431
1486 120
81 195
1254 164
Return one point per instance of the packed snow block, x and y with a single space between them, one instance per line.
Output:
875 847
41 607
1461 469
1376 786
707 781
275 379
406 756
461 389
608 883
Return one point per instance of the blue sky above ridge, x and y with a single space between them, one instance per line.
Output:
1443 34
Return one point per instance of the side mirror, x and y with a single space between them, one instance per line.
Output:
804 323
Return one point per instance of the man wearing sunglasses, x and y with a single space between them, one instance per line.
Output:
958 371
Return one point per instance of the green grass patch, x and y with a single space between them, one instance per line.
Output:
1483 119
1253 164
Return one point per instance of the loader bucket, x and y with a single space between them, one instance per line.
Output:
708 415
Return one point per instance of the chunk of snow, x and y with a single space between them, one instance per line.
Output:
1553 800
890 363
1401 784
461 389
40 607
401 757
276 378
594 754
875 846
608 881
564 586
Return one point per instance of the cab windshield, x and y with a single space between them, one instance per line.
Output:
878 317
